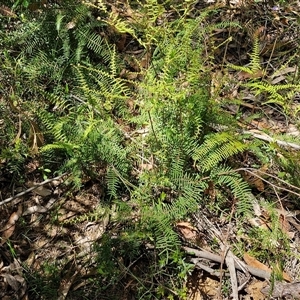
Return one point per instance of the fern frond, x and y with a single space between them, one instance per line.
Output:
254 64
254 56
113 182
217 148
226 177
68 147
278 94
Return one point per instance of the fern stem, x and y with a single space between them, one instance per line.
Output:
152 127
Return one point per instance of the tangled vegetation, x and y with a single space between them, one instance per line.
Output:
122 105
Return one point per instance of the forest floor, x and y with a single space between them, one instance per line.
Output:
42 229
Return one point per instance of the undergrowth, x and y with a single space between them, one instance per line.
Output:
63 84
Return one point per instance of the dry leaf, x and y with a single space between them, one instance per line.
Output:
41 190
67 282
6 11
187 230
253 262
256 181
254 290
284 225
293 130
187 225
284 71
285 219
277 79
36 138
257 222
293 222
9 228
256 208
246 75
33 209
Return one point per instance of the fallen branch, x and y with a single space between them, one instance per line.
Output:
31 189
217 258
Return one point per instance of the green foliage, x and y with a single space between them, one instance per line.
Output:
187 152
64 76
279 94
254 64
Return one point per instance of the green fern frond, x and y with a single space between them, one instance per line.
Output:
254 56
224 176
217 148
278 94
113 182
95 215
101 88
254 65
95 43
68 147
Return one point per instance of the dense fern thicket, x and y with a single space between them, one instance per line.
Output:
158 143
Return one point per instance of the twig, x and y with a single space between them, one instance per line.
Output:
152 127
85 103
270 183
207 269
223 257
270 139
229 259
31 189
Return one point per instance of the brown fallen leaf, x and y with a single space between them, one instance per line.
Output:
36 137
41 190
246 75
284 71
187 230
253 262
6 11
67 282
9 228
256 181
254 290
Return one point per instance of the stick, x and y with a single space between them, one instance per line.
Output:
269 139
31 189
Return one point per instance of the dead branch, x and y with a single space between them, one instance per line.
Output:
31 189
217 258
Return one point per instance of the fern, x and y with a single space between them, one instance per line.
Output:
275 93
217 148
95 215
181 116
224 176
254 65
